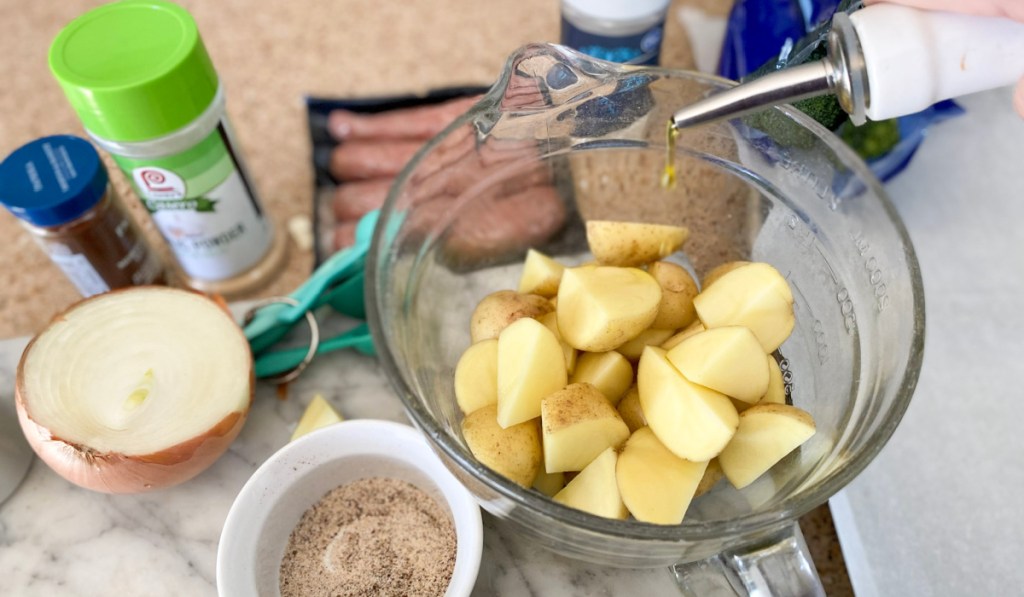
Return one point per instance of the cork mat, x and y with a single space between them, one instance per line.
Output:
269 55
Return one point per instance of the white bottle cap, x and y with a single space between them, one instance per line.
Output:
618 10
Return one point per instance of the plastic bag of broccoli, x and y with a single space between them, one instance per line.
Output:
766 35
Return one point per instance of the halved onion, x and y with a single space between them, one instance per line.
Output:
135 389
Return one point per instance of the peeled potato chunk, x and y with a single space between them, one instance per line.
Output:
727 359
498 309
677 291
595 489
649 337
600 308
766 434
549 483
577 424
319 413
630 243
754 295
476 376
720 270
530 366
630 411
694 328
514 452
541 274
609 372
692 421
656 485
776 393
550 321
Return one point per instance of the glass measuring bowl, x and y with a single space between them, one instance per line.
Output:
562 138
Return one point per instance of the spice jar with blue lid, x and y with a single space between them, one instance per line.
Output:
59 190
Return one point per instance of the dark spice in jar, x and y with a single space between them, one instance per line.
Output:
58 189
377 536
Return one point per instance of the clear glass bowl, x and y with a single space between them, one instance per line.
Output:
561 139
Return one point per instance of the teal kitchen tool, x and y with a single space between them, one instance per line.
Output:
337 283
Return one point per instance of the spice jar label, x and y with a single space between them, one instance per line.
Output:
81 273
203 205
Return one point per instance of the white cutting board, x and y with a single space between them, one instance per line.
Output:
938 512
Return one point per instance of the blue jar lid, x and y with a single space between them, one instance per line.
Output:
53 180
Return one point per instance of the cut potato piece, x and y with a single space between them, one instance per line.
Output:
513 452
694 328
595 490
549 483
649 337
476 376
530 366
740 405
776 393
755 296
720 270
677 291
766 434
727 359
656 485
609 372
712 475
692 421
499 309
630 411
550 321
318 414
631 243
541 274
600 308
577 424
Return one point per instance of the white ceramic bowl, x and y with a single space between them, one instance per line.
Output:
270 504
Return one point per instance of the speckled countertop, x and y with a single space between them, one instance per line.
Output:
269 55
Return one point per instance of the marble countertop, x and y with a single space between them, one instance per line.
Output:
59 539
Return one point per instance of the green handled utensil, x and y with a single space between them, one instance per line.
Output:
338 282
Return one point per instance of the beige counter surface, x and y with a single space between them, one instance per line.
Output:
269 56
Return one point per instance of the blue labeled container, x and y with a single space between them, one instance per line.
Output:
59 190
615 30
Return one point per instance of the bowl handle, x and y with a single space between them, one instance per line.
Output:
778 566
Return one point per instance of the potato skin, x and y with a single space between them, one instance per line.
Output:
498 309
514 453
712 475
632 244
630 411
677 291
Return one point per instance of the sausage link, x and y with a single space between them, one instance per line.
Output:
418 123
363 160
352 200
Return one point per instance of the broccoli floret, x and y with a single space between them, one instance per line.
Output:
872 139
824 109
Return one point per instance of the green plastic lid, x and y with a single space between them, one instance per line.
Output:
134 70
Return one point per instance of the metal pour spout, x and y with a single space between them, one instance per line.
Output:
841 72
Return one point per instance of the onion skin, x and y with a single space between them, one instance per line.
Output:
113 472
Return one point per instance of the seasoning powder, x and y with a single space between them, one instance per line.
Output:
375 536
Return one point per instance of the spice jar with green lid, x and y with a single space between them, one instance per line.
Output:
139 77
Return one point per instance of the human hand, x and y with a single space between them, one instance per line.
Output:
1012 9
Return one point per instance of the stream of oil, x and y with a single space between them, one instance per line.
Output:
668 177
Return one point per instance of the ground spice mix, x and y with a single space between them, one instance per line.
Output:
374 537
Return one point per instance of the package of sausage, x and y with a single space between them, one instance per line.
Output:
360 146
